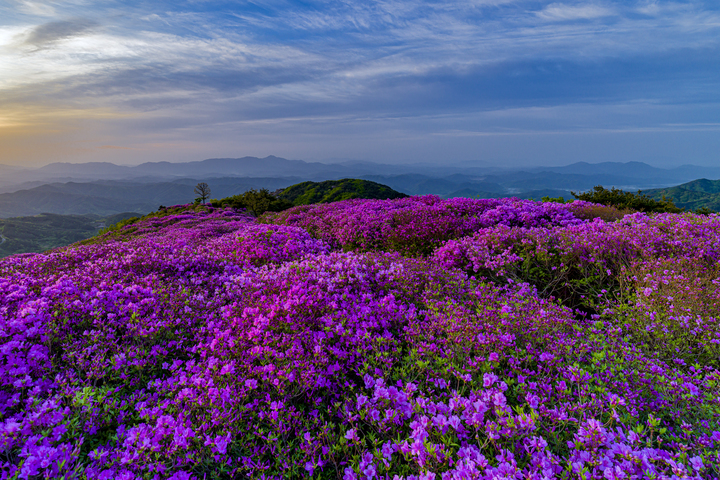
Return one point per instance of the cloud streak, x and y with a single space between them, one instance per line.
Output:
51 33
563 12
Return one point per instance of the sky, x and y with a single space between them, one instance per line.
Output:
471 82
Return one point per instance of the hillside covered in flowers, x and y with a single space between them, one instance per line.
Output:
414 338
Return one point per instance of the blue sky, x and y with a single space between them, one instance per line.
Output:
485 82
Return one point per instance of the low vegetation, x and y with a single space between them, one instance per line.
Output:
307 193
629 201
46 231
260 201
254 201
414 339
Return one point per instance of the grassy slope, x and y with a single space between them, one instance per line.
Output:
692 195
335 190
45 231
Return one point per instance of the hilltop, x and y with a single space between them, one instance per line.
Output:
306 193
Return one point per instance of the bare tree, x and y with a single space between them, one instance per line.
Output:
202 189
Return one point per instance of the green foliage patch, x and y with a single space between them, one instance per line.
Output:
336 190
47 231
254 201
701 196
620 199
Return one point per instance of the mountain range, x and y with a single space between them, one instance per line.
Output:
40 215
105 188
270 166
106 197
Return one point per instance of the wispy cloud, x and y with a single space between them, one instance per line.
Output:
585 131
50 33
254 65
562 12
43 9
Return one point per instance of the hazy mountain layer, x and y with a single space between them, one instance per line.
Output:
619 174
105 188
109 197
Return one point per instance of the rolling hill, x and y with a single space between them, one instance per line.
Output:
43 232
702 193
335 190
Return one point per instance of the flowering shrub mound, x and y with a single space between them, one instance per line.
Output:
204 221
582 264
417 225
676 308
203 345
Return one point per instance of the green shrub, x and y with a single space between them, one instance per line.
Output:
547 198
254 201
627 200
603 212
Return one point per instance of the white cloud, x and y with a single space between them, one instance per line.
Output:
653 8
650 8
50 33
559 12
44 9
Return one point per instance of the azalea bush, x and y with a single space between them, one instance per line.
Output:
204 344
418 225
582 264
675 308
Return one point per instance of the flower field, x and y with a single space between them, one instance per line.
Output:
416 338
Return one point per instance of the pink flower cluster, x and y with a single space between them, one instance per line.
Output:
417 225
584 260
